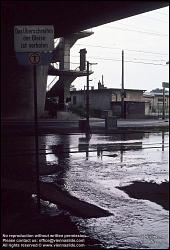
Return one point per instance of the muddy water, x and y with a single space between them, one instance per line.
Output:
97 170
94 169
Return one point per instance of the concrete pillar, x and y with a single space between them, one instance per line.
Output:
17 96
64 65
42 73
65 58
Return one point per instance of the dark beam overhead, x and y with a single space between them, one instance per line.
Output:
71 16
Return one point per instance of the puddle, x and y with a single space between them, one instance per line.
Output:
122 173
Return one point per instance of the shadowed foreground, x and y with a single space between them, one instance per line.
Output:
19 212
55 195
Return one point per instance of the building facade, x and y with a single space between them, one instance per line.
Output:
110 99
155 103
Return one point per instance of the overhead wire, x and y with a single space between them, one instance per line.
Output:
143 29
112 59
155 19
140 51
138 31
164 14
144 59
107 47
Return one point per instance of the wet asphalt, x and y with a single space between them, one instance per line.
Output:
126 174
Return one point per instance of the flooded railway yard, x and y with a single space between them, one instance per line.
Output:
124 174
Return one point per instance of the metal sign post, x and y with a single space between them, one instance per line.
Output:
36 138
34 45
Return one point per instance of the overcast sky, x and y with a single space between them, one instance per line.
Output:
145 41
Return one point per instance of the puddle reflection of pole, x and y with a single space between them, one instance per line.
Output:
163 140
87 154
62 151
121 154
123 138
99 151
36 139
87 145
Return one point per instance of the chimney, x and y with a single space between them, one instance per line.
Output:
99 85
102 85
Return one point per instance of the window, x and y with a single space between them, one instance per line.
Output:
160 99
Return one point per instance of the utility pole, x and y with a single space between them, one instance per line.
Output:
122 91
87 96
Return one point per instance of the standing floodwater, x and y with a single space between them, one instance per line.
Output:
98 170
126 174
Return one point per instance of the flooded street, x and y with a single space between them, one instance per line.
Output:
99 169
95 176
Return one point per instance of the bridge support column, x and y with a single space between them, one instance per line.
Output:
17 96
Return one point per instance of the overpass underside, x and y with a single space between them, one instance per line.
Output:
67 17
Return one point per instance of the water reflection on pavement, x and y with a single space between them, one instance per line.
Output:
98 169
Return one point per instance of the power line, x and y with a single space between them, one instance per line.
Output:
115 59
138 31
164 14
130 61
144 59
147 30
106 47
111 59
155 19
154 60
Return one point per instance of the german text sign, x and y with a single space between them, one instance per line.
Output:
34 38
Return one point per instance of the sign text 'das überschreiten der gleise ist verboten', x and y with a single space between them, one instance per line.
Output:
34 38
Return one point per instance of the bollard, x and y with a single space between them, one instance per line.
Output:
83 126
